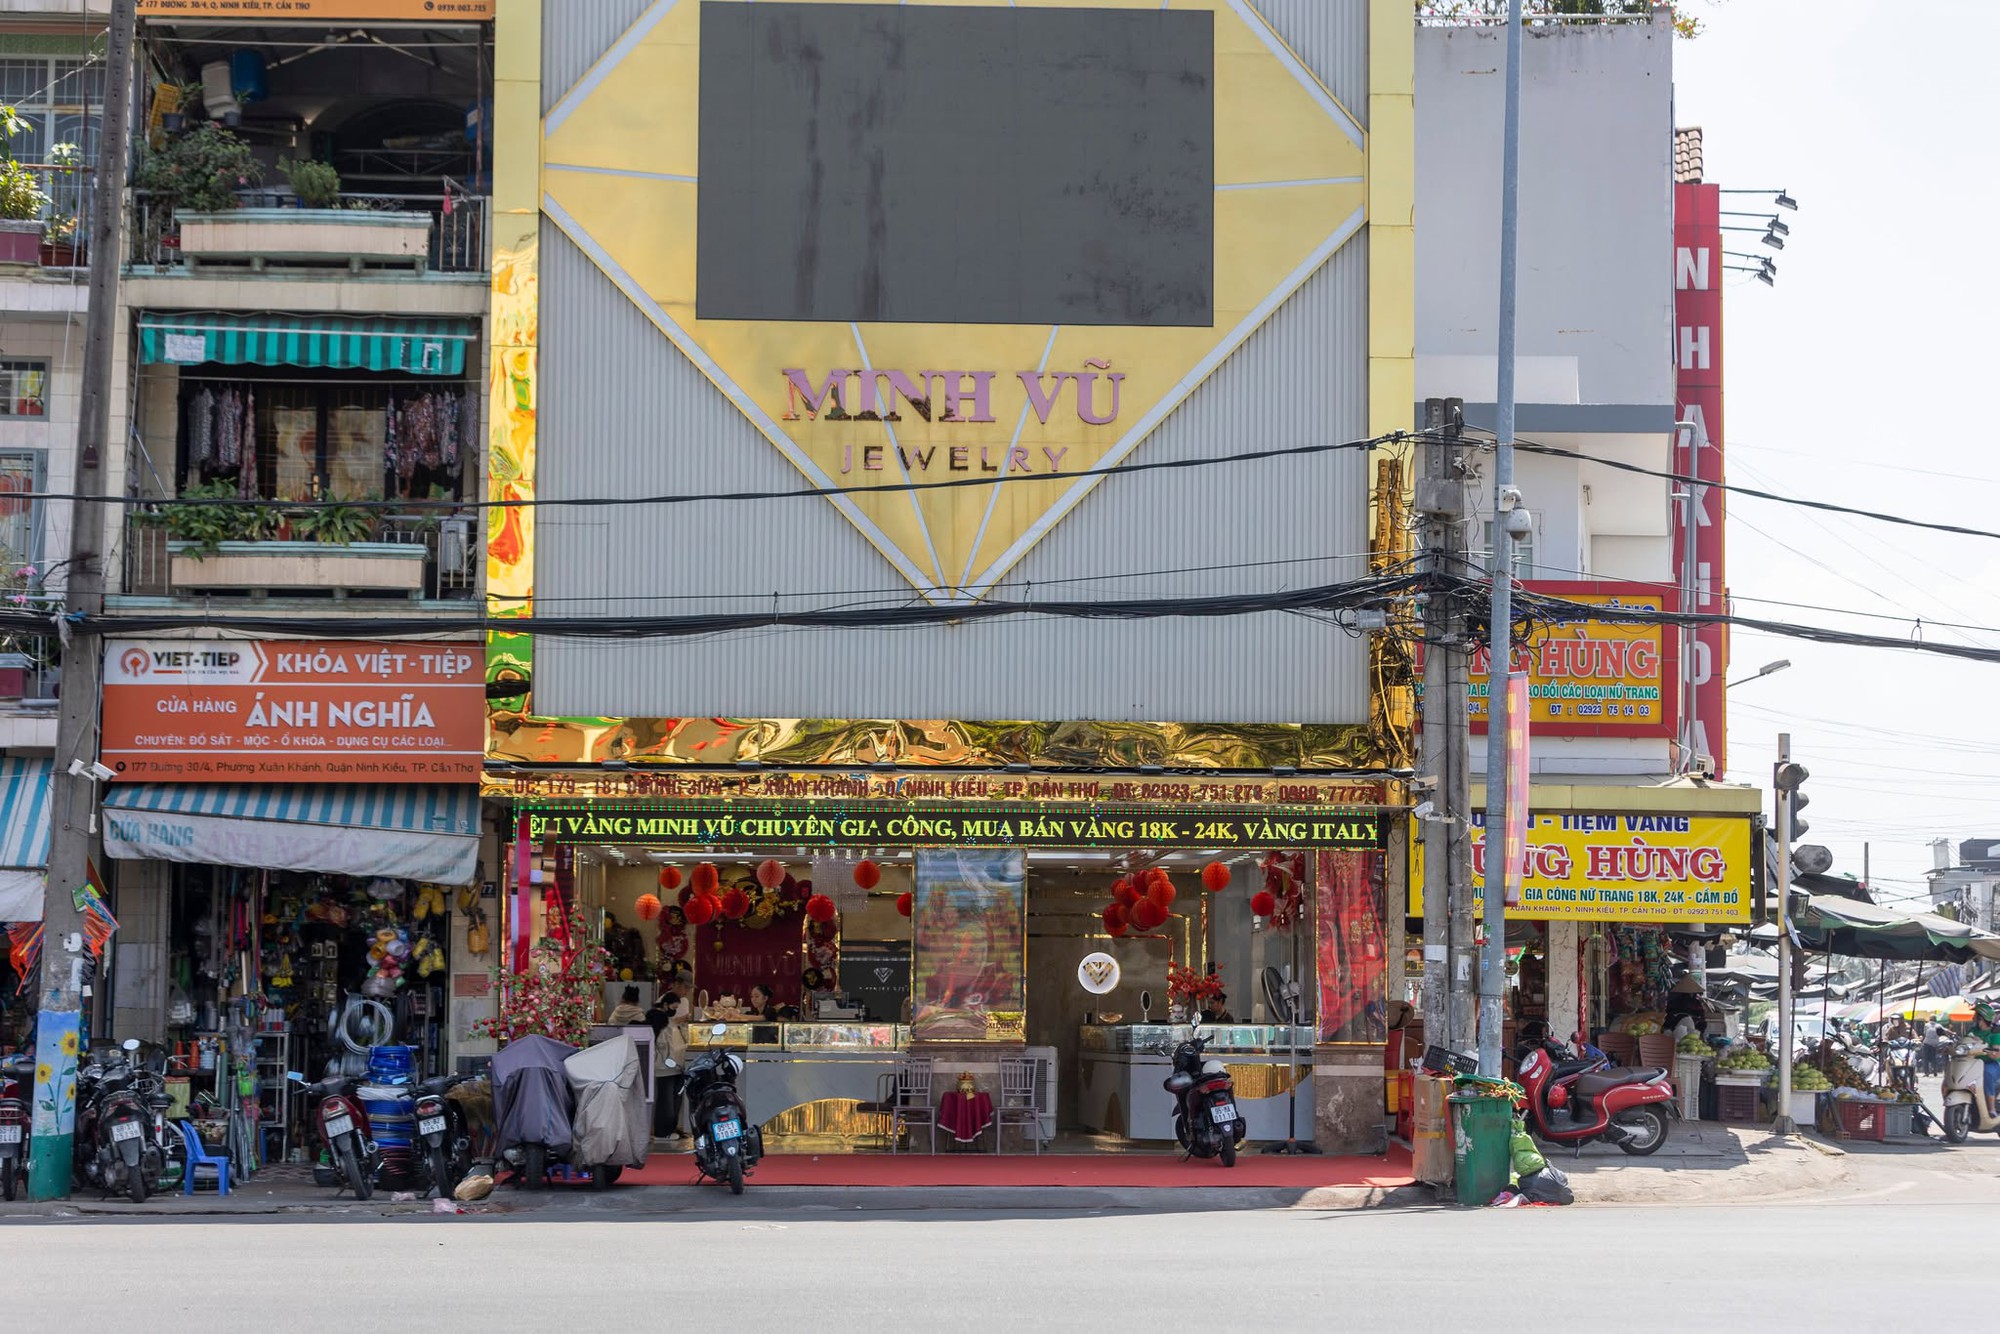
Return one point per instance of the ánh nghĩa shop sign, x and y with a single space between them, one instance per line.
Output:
293 711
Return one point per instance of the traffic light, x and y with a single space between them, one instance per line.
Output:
1789 778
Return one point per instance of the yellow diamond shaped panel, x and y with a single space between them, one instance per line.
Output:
1038 405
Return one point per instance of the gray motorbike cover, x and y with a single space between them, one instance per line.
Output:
531 1095
613 1124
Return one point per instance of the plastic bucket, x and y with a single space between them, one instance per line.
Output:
391 1114
392 1065
1485 1133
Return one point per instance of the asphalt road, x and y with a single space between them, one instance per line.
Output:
1840 1261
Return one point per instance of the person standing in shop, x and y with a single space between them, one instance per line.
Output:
669 1019
627 1010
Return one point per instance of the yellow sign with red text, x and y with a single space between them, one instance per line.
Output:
1621 868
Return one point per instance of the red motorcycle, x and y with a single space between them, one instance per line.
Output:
343 1128
1579 1100
17 1077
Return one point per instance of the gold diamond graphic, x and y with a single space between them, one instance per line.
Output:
620 178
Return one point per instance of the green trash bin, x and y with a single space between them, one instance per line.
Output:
1485 1133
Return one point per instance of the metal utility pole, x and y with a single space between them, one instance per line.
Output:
73 789
1786 778
1508 526
1446 764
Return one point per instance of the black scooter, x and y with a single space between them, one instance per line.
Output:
726 1145
118 1112
442 1129
17 1080
1205 1118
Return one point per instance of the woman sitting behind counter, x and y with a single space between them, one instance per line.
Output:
762 1006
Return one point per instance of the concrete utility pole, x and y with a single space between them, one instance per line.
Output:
1446 831
1785 780
73 796
1508 527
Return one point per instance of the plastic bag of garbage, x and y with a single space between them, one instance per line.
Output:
1526 1157
1548 1186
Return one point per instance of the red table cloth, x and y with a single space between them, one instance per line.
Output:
965 1116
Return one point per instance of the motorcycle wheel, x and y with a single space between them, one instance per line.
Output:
7 1172
534 1166
135 1185
442 1180
1649 1130
736 1175
350 1168
1228 1152
605 1175
1957 1122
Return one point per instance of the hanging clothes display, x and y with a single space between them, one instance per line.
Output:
201 429
403 445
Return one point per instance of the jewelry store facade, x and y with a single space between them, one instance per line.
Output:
667 325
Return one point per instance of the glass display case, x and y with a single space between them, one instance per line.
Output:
1152 1038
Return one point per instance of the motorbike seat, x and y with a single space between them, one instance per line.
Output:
441 1083
1603 1081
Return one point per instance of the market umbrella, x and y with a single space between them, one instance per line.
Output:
1957 1009
1863 930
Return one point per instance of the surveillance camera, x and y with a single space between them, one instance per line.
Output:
95 772
102 773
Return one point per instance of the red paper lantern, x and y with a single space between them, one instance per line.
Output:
706 878
821 908
700 909
1147 915
906 903
867 874
770 873
647 906
670 878
1121 890
1118 932
1263 903
1160 889
734 904
1114 918
1215 877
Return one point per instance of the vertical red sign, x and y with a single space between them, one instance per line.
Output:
1698 454
1519 779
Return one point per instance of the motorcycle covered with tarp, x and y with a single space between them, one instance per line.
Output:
533 1107
613 1124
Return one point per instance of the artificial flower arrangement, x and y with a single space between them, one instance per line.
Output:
1187 987
558 994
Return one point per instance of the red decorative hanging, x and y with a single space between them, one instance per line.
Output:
1160 888
700 910
867 874
770 873
1215 877
735 904
706 878
1263 903
1121 890
1114 918
1148 915
647 906
670 878
821 908
906 903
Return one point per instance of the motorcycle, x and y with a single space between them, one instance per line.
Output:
533 1107
17 1079
1575 1100
1205 1117
442 1129
1965 1095
118 1112
726 1145
343 1129
1902 1066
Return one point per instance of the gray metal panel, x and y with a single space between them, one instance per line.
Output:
622 412
1331 37
574 34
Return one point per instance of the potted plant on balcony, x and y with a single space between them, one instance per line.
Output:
22 199
200 171
217 545
178 103
334 525
60 243
316 184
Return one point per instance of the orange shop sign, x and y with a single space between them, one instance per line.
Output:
293 711
1591 677
425 11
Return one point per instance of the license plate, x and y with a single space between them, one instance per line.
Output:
336 1126
431 1125
124 1130
728 1129
10 1134
1222 1113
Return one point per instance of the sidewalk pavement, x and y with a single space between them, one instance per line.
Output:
1702 1162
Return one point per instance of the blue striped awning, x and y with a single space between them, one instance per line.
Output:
330 342
24 813
402 831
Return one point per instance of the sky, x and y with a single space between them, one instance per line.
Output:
1862 379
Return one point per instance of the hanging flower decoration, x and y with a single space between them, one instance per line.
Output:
670 878
867 873
557 996
821 908
735 903
1215 877
647 906
771 873
1284 880
1263 903
906 903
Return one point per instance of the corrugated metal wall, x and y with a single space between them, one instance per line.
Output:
1331 37
574 34
622 412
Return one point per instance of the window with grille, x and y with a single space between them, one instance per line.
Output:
20 536
60 100
24 388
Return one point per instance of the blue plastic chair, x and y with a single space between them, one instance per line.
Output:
199 1156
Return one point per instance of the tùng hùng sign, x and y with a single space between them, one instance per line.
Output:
747 824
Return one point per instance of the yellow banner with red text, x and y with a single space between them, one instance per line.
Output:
1618 868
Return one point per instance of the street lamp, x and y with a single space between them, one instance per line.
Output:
1767 669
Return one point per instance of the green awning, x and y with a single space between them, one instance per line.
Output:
318 342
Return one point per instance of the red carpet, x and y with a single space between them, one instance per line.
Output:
1050 1169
